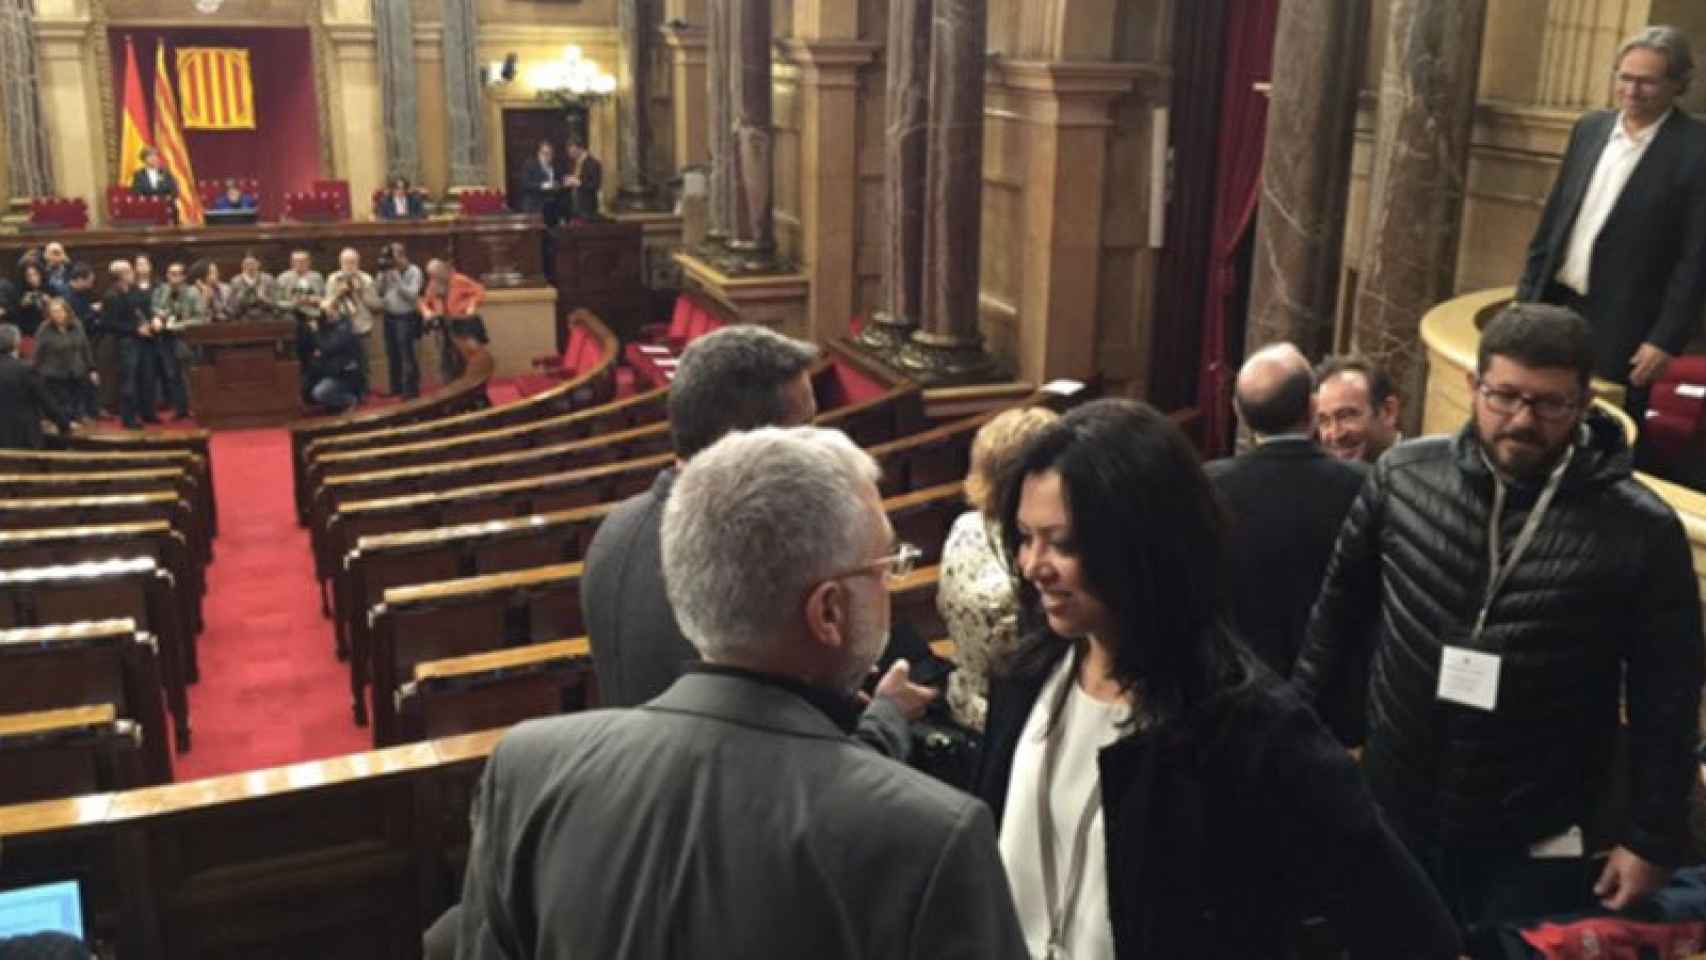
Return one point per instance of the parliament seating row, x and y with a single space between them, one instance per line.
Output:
464 396
137 589
429 620
89 460
68 751
85 664
83 483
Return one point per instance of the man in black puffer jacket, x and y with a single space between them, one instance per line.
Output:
1494 688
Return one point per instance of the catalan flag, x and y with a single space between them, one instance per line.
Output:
216 88
169 137
134 119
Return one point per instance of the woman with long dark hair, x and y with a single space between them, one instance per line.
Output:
1160 793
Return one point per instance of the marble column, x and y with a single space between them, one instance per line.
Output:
1421 164
29 158
720 118
462 94
635 24
394 31
752 231
687 101
1300 228
948 346
905 153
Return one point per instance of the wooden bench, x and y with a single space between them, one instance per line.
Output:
87 664
91 461
592 387
134 441
67 752
21 513
350 856
103 483
139 590
497 689
453 618
383 561
52 546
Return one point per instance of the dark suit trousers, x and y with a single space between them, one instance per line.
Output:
1634 398
136 380
402 334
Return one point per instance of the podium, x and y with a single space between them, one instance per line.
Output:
245 374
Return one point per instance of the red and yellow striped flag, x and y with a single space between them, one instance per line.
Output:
133 119
169 138
217 91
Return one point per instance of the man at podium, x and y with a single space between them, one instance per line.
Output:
153 180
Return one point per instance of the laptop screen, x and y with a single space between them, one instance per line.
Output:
44 908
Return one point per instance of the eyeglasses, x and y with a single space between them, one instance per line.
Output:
895 566
1645 83
1508 403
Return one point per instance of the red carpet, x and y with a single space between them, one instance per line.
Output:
272 691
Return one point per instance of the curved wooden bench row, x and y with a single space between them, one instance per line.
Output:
154 539
102 483
29 513
94 461
466 615
591 387
99 662
495 689
50 753
139 590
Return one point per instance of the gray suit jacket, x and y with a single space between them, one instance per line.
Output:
638 649
728 818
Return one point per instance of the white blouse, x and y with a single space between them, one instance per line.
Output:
1087 725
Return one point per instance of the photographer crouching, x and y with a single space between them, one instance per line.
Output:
334 365
451 305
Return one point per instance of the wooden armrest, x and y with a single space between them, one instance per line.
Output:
578 649
47 721
88 629
482 584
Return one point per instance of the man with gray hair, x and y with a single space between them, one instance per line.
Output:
733 816
1622 240
24 400
736 378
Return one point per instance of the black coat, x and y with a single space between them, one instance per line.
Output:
1604 599
539 185
123 313
337 354
1285 502
139 184
1647 278
1226 830
584 198
24 404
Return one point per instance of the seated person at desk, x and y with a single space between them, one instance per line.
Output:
233 198
153 179
586 176
175 307
334 363
251 294
401 203
451 305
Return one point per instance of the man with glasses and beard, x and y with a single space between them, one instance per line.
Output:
1518 587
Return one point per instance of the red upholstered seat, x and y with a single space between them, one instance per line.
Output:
338 193
483 202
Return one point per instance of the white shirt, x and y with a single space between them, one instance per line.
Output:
1088 726
1623 152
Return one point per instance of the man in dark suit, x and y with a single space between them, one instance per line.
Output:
1286 499
153 179
24 400
736 378
585 177
733 816
1622 240
541 183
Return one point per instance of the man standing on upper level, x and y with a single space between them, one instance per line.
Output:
1622 240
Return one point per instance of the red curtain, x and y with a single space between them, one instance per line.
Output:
1248 59
283 151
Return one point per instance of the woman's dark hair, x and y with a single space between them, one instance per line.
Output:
1147 531
198 269
41 272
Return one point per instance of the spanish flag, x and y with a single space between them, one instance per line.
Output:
169 137
134 119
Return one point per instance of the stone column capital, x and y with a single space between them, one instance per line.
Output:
62 39
1067 94
686 44
350 40
826 63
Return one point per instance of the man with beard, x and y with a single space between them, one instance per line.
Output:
734 816
1519 586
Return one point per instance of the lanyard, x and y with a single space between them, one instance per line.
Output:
1059 908
1499 570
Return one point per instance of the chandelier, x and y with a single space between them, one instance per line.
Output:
573 80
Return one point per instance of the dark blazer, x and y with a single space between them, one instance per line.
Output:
1225 830
24 404
539 184
1285 502
638 649
139 184
1647 278
584 198
387 208
730 817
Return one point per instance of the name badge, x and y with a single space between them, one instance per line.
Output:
1564 846
1469 677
